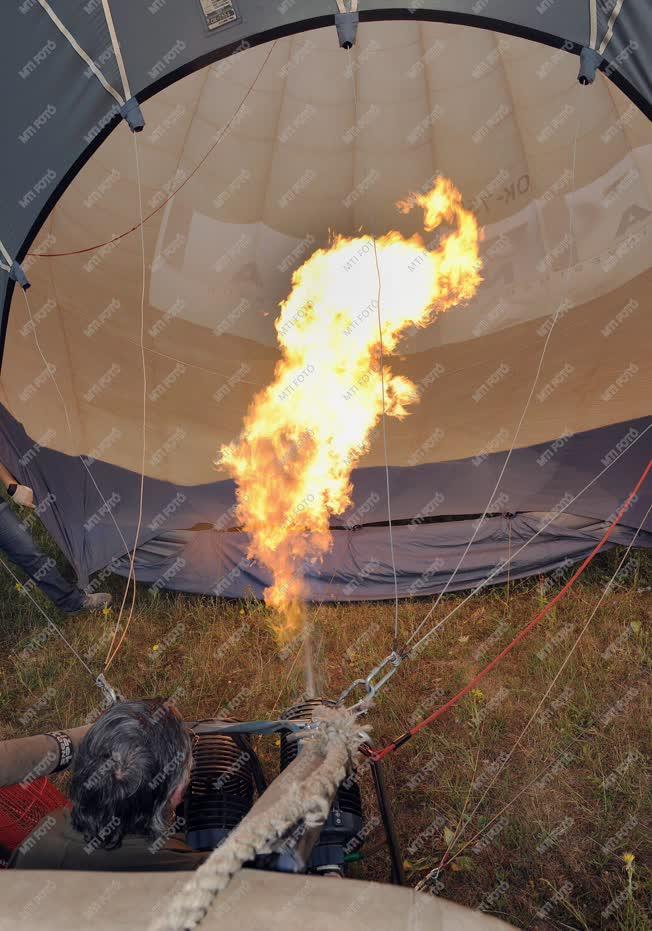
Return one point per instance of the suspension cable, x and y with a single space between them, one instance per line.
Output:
502 565
384 423
434 873
131 578
399 741
143 219
445 858
132 229
50 369
527 403
372 683
50 622
382 369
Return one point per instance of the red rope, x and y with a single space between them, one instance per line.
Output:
382 753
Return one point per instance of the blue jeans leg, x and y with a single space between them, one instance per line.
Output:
17 543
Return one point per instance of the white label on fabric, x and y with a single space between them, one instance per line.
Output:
219 12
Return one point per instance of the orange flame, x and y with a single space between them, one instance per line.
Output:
304 433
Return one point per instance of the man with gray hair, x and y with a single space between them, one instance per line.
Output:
130 773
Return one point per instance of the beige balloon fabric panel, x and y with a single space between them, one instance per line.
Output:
311 141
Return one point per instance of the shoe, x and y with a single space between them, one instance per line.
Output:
96 601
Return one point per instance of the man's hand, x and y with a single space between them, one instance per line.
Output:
24 496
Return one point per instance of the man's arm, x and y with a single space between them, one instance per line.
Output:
6 477
21 494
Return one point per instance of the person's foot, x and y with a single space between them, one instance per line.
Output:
96 601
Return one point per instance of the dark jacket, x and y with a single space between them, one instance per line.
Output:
54 844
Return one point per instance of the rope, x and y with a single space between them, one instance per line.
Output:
109 510
593 20
92 249
49 368
50 371
8 258
381 754
580 736
382 380
113 652
610 26
384 423
80 51
525 409
543 526
509 557
131 578
48 619
408 652
117 49
56 255
327 758
446 859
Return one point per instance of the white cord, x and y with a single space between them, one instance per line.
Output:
382 386
49 370
48 367
500 567
131 576
545 695
113 652
525 409
384 423
47 618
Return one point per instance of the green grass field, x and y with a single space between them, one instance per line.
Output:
539 842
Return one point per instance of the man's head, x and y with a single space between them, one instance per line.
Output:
130 772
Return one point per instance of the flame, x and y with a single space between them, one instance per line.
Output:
304 433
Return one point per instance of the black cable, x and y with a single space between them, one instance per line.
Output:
398 876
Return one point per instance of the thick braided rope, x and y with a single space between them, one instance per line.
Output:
336 743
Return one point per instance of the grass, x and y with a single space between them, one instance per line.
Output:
541 846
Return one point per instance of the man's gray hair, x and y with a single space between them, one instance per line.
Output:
126 770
